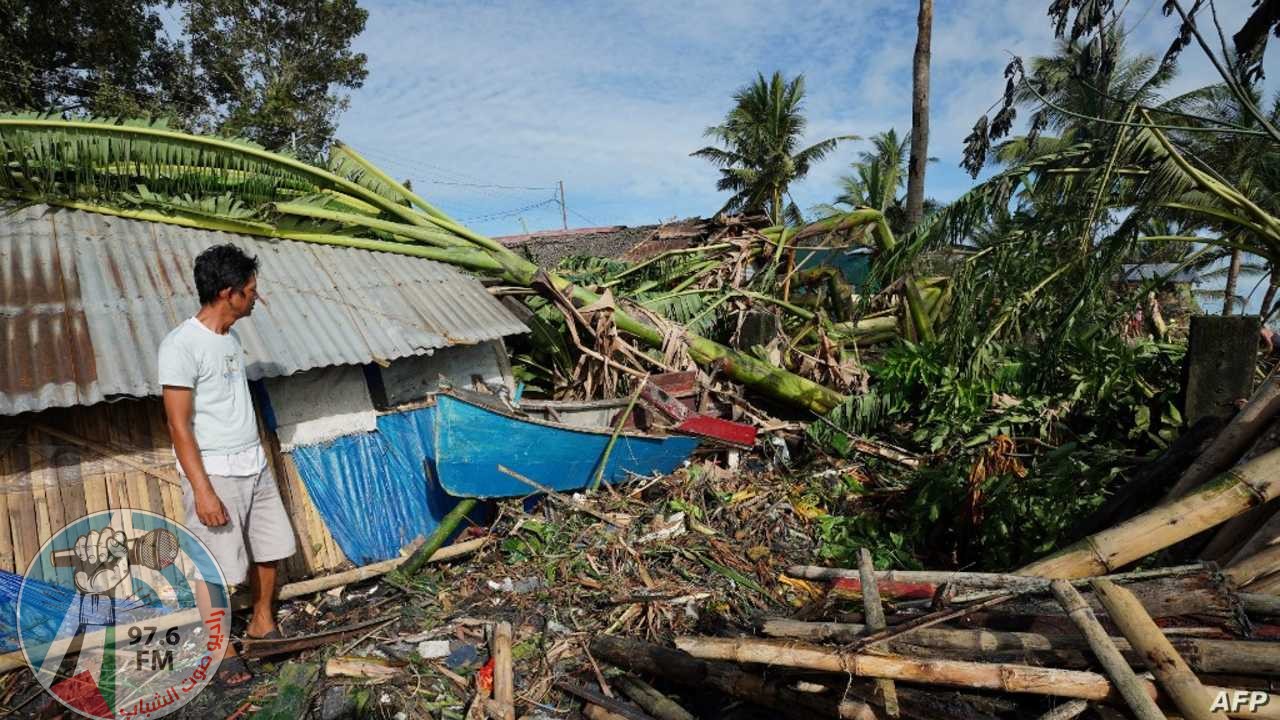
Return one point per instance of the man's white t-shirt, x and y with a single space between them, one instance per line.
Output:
212 365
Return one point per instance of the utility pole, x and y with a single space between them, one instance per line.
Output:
564 213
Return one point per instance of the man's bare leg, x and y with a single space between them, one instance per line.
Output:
262 584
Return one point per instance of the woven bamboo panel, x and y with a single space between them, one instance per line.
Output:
47 481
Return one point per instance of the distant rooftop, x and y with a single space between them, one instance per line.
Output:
1170 272
548 247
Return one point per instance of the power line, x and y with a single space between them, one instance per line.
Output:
582 217
509 213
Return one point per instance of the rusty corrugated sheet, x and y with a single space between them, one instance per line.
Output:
85 300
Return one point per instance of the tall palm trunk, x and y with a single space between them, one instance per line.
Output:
1233 277
1269 298
919 115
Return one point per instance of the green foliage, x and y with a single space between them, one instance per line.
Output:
1079 419
760 154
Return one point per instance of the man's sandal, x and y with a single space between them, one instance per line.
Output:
274 634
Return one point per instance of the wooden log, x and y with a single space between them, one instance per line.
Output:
680 667
1260 605
1170 670
1126 682
1234 439
1231 494
875 623
1066 711
1244 657
504 679
655 703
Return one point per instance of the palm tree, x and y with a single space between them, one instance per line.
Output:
919 115
877 179
759 159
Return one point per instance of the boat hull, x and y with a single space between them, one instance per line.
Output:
472 440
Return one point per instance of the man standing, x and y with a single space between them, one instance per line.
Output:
229 493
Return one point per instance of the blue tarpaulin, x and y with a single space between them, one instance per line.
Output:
373 489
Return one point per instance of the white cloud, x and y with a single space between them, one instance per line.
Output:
612 96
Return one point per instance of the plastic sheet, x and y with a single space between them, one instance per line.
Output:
373 489
45 610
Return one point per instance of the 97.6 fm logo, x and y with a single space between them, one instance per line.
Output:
124 614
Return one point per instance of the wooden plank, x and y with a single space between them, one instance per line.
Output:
163 446
140 438
328 555
22 509
39 474
92 473
300 565
6 536
311 546
113 475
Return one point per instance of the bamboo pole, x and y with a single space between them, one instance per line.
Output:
1007 677
504 684
1234 438
1248 569
1127 683
1265 534
875 623
1229 541
447 525
1209 655
617 430
1232 493
1003 582
1171 671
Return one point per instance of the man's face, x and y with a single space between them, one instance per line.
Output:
243 300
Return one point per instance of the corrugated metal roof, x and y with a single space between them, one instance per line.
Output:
1170 272
85 300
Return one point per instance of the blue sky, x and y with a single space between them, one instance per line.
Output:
611 97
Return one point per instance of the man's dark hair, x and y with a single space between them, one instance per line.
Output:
221 267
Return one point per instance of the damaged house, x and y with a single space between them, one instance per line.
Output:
342 352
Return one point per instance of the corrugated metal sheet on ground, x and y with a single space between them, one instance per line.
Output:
86 298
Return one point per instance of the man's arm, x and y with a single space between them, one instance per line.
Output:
179 407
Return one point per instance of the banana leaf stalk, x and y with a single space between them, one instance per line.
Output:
79 164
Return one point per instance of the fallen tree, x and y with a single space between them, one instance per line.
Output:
147 171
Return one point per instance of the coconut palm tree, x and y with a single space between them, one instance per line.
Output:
876 182
758 155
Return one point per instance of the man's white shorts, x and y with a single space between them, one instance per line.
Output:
258 529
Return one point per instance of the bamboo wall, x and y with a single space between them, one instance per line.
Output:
47 481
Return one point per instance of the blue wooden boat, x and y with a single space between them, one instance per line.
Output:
474 435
